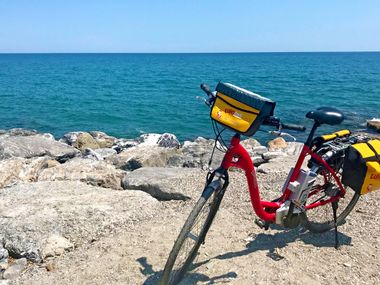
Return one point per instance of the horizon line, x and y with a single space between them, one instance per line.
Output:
189 52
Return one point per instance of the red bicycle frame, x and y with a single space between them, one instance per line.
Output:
237 156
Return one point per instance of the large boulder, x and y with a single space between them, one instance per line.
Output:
18 169
122 144
99 153
250 144
168 140
255 150
277 144
103 140
281 162
98 173
41 219
142 156
160 182
80 140
374 124
196 154
33 145
294 148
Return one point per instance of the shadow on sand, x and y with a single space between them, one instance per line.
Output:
190 278
262 241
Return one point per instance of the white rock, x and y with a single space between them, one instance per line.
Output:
55 245
257 150
257 160
97 173
294 148
142 155
3 258
155 181
148 139
188 143
71 209
91 154
48 136
273 154
20 169
122 144
104 152
15 269
32 146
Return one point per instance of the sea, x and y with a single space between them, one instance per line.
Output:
126 95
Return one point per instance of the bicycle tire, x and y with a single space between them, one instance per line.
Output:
173 275
312 216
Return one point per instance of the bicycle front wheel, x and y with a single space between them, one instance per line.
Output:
191 237
321 219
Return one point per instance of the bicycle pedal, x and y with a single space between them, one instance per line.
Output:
262 224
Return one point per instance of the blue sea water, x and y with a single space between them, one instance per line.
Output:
128 94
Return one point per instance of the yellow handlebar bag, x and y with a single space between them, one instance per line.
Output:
239 109
361 169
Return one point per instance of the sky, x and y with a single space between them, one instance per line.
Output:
188 25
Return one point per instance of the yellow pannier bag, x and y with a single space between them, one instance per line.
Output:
318 141
361 169
240 110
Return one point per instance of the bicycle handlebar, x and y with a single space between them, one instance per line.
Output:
207 90
293 127
276 122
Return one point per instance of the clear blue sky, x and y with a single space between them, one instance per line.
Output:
188 26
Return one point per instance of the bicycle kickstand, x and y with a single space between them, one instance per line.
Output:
335 207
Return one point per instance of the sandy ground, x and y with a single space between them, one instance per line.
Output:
236 250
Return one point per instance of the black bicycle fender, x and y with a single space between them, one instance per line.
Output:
211 188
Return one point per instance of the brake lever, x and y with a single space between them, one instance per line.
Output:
204 100
282 134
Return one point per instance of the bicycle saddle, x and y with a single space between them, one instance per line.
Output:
326 115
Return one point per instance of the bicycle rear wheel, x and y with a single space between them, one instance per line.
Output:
192 236
321 219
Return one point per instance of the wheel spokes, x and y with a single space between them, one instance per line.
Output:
190 242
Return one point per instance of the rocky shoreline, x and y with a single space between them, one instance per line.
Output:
56 195
39 173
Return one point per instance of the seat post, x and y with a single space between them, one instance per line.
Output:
312 132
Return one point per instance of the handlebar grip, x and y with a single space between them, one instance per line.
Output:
276 122
293 127
206 89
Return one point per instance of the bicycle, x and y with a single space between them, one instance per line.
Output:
305 194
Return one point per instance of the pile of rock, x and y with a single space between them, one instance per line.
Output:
102 160
53 196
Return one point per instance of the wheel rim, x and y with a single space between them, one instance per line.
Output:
190 245
321 218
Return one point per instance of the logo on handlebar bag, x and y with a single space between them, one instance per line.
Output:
375 176
233 112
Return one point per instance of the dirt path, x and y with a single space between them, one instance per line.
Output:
236 250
